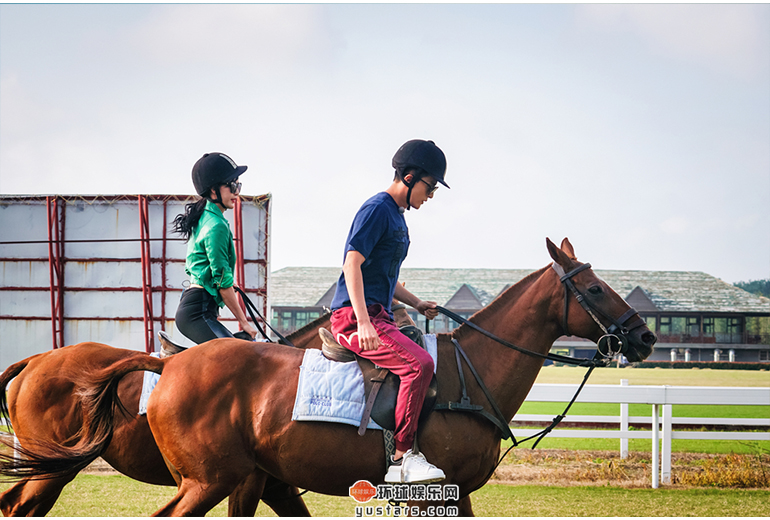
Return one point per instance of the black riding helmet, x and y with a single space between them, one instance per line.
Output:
425 157
212 170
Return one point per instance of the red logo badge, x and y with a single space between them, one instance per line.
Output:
362 491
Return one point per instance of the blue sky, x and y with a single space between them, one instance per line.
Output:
641 132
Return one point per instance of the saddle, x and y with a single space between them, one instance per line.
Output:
380 384
167 346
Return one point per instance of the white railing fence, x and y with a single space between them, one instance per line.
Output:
662 398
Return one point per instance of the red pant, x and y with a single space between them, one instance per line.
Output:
400 355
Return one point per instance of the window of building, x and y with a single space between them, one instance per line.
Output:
665 325
693 326
764 355
452 324
735 326
651 322
678 325
757 329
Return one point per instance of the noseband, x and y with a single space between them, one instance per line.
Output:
615 339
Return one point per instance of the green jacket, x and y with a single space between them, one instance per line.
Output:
211 253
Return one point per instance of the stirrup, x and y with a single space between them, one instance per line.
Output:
333 350
167 346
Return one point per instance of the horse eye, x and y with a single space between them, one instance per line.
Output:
595 289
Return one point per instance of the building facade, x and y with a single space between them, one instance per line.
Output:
696 316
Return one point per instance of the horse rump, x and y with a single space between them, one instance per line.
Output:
44 459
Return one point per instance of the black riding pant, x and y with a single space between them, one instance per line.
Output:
196 316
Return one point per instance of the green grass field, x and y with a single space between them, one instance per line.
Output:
655 376
100 496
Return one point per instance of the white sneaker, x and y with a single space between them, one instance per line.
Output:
413 468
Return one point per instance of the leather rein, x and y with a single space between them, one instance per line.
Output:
615 338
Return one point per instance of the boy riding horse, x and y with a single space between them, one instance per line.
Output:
362 319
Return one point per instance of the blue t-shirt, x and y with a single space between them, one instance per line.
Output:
380 234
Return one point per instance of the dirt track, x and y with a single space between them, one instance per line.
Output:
585 468
600 468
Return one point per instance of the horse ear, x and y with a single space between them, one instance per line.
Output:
559 256
567 248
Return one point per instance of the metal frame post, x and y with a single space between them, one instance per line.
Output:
240 270
56 214
163 261
268 311
144 227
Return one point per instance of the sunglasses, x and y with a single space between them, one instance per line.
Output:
431 187
234 186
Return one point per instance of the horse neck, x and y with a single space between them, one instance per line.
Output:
307 336
527 315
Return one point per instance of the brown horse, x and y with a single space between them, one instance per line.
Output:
223 425
42 404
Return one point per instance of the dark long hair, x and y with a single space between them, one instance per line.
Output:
185 223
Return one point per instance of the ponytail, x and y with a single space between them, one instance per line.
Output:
185 223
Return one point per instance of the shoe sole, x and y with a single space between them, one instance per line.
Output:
425 481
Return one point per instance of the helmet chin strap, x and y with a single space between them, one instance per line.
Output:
410 185
409 197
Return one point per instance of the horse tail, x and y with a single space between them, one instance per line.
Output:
42 459
5 378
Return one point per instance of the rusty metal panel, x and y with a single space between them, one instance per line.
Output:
104 274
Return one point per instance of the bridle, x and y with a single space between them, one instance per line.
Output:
615 339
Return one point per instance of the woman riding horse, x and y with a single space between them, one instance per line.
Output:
210 252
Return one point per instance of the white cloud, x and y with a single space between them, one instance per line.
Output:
727 38
675 225
276 37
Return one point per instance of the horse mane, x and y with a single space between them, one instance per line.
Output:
310 326
504 299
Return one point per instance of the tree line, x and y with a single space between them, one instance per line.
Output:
758 287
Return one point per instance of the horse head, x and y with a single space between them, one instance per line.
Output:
605 317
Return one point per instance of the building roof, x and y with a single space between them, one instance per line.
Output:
665 291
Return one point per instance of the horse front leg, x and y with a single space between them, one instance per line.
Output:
244 499
464 506
283 499
33 497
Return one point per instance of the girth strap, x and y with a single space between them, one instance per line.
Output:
465 403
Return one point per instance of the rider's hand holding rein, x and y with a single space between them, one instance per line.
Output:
426 308
231 301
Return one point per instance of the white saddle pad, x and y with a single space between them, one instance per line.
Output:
148 385
331 391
